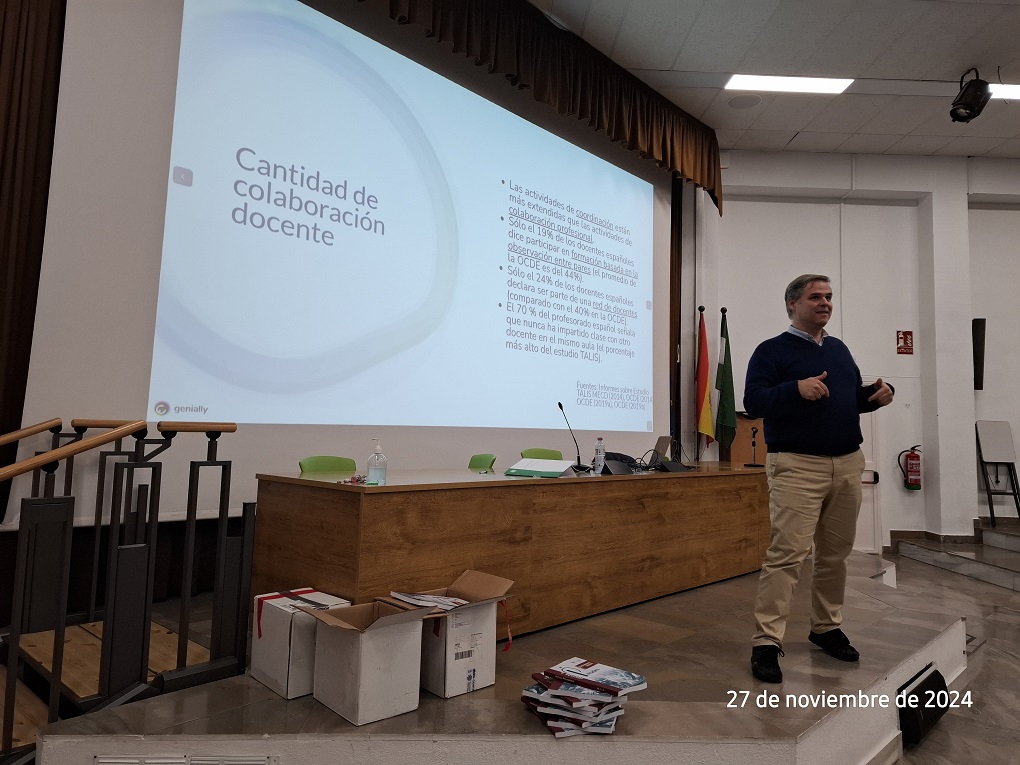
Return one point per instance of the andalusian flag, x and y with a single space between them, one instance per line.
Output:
726 409
703 400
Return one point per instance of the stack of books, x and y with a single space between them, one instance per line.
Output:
578 696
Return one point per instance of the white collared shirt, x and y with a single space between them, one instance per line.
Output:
801 333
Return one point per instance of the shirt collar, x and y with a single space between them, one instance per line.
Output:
801 333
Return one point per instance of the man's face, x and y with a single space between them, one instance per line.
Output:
814 308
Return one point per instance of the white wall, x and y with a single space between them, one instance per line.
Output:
995 295
892 232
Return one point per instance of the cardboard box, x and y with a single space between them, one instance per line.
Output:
367 660
459 649
283 639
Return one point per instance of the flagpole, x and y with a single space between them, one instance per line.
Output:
704 422
726 409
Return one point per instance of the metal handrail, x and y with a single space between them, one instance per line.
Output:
31 430
70 450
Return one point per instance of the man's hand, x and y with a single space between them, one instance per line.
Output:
812 388
883 393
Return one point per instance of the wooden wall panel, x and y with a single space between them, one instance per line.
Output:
306 536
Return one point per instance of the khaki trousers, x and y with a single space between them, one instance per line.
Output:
811 499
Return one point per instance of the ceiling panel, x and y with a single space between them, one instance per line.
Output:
791 34
722 34
728 138
791 111
602 23
764 140
1010 148
918 144
862 37
695 100
847 113
969 146
940 123
993 45
904 114
824 142
864 143
936 36
999 118
652 32
721 115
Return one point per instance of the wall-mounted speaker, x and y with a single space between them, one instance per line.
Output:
977 333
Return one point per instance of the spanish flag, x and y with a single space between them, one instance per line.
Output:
703 400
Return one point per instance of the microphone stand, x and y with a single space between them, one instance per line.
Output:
754 450
577 467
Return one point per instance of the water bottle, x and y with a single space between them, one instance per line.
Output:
600 456
377 465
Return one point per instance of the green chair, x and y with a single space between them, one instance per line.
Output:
542 454
328 464
482 463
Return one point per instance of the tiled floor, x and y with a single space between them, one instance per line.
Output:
694 649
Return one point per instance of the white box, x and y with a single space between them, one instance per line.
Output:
459 649
283 639
367 660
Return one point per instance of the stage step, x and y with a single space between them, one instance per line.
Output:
83 649
984 562
1005 534
30 712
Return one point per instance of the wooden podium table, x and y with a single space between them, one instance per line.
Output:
573 546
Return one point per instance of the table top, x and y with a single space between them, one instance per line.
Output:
418 480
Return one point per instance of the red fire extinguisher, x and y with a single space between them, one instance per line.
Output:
910 467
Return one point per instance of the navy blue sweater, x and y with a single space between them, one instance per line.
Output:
830 426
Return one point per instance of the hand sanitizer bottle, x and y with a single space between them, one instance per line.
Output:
377 465
600 456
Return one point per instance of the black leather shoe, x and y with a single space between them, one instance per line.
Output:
836 644
765 663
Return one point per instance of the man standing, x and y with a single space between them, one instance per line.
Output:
807 387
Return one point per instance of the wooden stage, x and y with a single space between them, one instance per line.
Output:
573 546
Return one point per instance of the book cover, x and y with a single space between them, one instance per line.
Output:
600 677
539 692
562 728
579 718
577 695
421 599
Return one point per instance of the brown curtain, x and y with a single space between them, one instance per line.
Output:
513 38
31 40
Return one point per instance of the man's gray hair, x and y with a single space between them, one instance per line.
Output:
796 288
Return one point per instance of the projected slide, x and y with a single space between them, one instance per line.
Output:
352 239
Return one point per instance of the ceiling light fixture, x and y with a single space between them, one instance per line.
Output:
971 99
1000 90
787 84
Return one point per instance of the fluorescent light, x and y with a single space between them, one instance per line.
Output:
787 84
1004 91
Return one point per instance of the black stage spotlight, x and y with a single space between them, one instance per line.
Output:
972 98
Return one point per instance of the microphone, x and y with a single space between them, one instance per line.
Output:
578 467
754 450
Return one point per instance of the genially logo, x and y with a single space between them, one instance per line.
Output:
161 408
193 408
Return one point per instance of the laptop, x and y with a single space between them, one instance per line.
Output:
659 458
660 451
